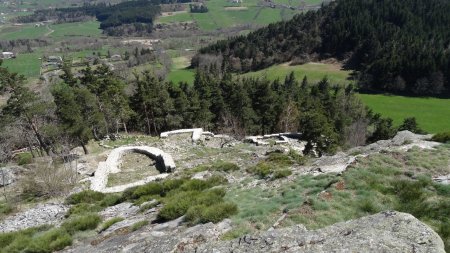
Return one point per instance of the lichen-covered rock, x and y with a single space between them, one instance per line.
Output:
42 214
8 175
123 210
383 232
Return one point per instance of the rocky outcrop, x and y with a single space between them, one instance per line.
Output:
49 213
383 232
8 175
164 163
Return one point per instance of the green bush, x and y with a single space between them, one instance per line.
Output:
279 159
441 137
148 206
109 223
6 208
214 213
81 223
83 208
24 158
218 212
87 196
295 156
138 225
262 170
224 166
282 173
52 240
177 205
37 239
111 200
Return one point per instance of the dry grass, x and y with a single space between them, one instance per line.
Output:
134 167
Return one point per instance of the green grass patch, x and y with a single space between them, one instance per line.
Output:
315 72
38 239
429 112
109 223
139 225
441 137
392 181
81 223
24 158
27 64
12 32
76 29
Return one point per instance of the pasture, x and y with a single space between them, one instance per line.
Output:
313 71
224 14
432 114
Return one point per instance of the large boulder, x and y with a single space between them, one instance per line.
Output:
9 175
383 232
42 214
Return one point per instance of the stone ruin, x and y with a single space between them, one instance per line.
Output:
164 163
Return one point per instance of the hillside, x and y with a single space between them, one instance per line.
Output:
214 192
396 46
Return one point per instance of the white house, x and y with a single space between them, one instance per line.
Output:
7 55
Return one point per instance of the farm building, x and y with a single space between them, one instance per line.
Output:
7 55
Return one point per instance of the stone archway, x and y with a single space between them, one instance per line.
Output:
164 164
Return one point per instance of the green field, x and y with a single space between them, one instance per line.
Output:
25 64
78 29
223 14
12 32
58 31
433 114
314 72
179 72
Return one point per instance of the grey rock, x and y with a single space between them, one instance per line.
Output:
382 232
9 175
49 213
123 210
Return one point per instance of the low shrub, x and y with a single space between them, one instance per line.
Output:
441 137
87 196
24 158
111 200
138 225
279 159
282 173
81 223
109 223
83 208
177 205
224 166
6 208
37 239
262 170
214 213
48 181
148 206
52 240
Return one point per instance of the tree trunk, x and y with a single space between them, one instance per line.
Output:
39 138
84 148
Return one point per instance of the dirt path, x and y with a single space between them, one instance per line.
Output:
50 31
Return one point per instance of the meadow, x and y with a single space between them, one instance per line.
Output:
433 114
313 71
224 14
